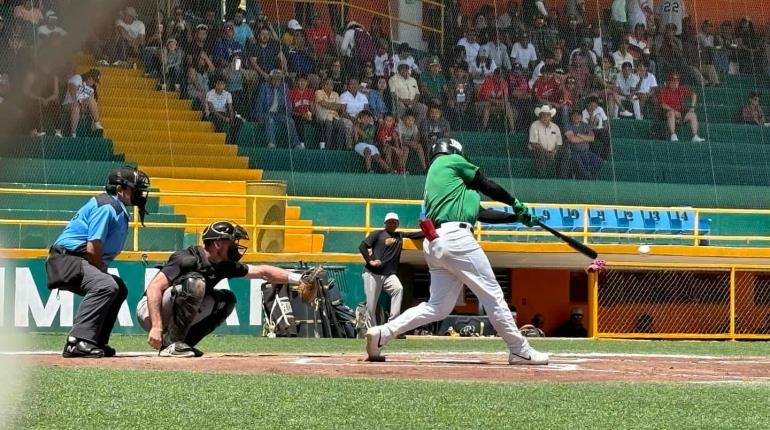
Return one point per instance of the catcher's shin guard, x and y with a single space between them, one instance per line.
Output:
186 301
224 303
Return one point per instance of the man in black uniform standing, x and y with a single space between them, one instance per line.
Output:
382 252
181 305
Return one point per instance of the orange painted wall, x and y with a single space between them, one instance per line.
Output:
542 291
699 10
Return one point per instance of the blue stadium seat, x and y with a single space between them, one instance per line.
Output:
571 219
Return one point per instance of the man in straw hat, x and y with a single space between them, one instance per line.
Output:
546 144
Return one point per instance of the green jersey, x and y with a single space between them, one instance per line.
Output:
447 196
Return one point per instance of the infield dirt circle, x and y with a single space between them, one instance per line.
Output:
450 366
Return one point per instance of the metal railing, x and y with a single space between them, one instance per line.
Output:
252 201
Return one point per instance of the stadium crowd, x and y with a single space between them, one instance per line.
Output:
528 68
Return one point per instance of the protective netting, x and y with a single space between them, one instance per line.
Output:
470 69
665 301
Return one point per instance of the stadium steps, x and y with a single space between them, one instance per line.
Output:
160 124
156 114
167 149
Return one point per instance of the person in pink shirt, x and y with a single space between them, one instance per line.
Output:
752 112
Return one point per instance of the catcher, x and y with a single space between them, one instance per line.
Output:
181 306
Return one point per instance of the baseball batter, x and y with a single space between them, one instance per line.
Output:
454 257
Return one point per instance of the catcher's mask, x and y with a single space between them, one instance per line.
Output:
446 146
135 179
228 230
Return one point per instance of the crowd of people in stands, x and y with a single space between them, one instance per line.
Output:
562 77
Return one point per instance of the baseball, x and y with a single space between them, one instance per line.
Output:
644 249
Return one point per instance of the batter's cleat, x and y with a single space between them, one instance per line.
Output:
530 357
374 345
76 348
108 350
177 350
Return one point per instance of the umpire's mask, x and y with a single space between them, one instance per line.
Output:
139 183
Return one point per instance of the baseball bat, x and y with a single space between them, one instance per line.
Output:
574 244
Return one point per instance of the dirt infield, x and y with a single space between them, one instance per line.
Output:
450 366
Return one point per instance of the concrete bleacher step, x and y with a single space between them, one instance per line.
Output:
192 161
133 135
194 185
299 223
175 148
298 243
293 212
159 113
211 210
158 124
145 102
127 90
203 173
113 83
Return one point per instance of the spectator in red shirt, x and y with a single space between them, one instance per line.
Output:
493 97
520 94
547 88
388 140
678 105
320 36
301 98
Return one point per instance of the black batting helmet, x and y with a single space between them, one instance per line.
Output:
446 146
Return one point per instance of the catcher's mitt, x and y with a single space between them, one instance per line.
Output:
309 283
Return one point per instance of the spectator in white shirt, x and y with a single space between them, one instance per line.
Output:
129 39
481 67
523 52
648 85
595 116
471 45
50 27
404 56
498 52
219 110
545 143
354 101
626 86
81 96
622 55
383 65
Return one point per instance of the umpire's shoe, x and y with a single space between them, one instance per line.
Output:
177 350
108 350
76 348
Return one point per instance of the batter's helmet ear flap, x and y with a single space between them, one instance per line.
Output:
446 146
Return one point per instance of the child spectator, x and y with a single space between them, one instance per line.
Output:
752 112
388 140
219 110
171 60
301 99
409 135
626 85
434 127
404 56
594 116
383 65
364 136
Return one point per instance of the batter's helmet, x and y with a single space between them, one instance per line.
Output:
446 146
228 230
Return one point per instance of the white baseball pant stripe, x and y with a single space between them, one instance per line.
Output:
374 284
454 259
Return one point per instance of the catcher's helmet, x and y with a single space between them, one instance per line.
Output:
228 230
446 146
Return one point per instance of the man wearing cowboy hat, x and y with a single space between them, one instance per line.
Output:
545 143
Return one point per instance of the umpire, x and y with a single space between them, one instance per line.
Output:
78 261
382 252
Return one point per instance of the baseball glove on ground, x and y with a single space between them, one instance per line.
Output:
310 283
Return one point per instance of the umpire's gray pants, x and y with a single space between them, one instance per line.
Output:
102 296
374 284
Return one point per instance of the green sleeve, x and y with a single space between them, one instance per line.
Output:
465 170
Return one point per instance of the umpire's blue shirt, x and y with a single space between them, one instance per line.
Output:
103 218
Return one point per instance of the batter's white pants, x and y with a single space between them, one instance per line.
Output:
374 284
454 259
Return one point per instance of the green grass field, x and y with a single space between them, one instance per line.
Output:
95 398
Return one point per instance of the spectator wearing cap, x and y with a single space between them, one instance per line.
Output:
272 108
81 97
523 52
201 43
493 97
293 28
28 11
546 146
470 44
50 27
626 86
404 56
434 84
243 33
381 251
299 59
265 55
543 36
574 326
677 104
130 36
584 164
406 93
482 67
226 47
235 84
219 110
